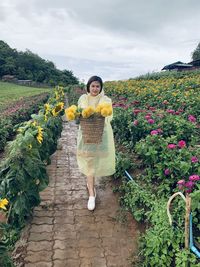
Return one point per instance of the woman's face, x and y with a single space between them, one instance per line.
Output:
95 88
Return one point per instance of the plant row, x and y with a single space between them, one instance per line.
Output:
23 173
18 112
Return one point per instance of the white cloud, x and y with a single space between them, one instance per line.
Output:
116 38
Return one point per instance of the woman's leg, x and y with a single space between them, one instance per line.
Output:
90 185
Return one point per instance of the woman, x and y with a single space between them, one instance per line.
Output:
95 160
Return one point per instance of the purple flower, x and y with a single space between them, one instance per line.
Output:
154 132
194 178
194 159
167 171
135 122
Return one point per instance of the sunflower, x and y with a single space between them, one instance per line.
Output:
70 115
40 134
3 203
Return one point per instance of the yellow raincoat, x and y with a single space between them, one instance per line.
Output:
96 159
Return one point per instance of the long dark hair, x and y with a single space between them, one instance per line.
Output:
94 79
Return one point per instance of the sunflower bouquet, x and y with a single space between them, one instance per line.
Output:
74 112
91 120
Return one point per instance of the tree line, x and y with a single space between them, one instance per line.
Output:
29 66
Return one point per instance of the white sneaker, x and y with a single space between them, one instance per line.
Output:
91 201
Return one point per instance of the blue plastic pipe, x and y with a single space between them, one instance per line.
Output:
128 175
192 247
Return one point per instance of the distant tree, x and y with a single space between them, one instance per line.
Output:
29 66
196 53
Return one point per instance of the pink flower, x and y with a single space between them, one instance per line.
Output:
152 108
136 111
135 122
194 159
171 146
160 130
154 132
171 111
191 118
148 117
194 178
150 121
165 102
167 171
181 184
181 144
177 113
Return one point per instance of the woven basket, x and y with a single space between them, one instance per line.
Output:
92 129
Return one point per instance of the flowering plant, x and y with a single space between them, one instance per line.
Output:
74 112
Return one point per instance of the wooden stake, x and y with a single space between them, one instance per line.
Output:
187 219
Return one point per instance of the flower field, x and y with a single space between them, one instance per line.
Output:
157 121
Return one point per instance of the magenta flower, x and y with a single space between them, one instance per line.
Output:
135 122
189 184
154 132
181 144
194 178
191 118
194 159
167 171
150 121
171 146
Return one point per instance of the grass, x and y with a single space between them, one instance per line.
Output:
10 93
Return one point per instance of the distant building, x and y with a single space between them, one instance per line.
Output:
9 78
180 66
25 82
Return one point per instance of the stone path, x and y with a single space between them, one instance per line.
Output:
63 233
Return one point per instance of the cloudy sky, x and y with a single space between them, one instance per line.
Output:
115 39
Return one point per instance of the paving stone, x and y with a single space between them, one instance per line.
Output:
48 236
39 256
91 252
68 243
39 245
42 220
93 262
67 263
40 264
41 228
67 253
65 235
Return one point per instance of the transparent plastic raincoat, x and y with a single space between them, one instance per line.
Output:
96 159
